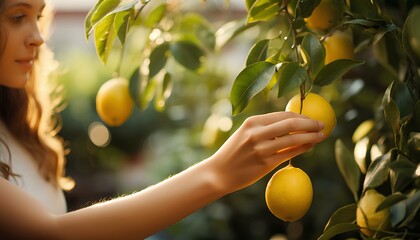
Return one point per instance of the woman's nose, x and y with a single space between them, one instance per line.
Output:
35 39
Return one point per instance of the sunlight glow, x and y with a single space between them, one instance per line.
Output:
375 152
225 123
99 134
360 153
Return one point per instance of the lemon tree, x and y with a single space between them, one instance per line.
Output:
378 75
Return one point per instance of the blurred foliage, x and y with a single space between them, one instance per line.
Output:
182 62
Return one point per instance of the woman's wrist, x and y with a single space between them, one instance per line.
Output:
216 177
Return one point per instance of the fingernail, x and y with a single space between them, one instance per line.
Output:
320 134
321 124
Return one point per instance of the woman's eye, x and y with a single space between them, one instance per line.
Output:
18 18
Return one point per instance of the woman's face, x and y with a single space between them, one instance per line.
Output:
20 39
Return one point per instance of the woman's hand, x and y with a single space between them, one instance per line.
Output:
261 144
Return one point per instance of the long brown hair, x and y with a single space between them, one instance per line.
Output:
31 115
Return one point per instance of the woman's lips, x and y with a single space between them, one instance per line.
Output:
27 64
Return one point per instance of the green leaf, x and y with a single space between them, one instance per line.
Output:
403 166
348 167
263 10
363 22
197 29
397 213
158 58
391 200
258 52
335 70
249 82
412 206
142 89
148 92
104 37
402 97
338 229
230 30
249 3
163 91
402 173
307 7
155 16
88 19
389 54
135 87
391 111
122 24
103 10
377 172
363 9
411 35
107 8
314 52
345 214
187 54
290 76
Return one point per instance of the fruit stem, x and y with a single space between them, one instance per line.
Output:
118 69
302 97
294 32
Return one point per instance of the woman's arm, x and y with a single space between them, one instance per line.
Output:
257 147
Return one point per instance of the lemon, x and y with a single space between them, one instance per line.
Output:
113 102
288 194
362 130
315 107
339 46
366 216
325 15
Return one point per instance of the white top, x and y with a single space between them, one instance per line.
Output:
30 179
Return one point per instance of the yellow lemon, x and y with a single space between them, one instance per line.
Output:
288 194
113 102
325 15
362 130
314 107
366 216
339 46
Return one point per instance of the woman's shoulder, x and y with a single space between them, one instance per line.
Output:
28 176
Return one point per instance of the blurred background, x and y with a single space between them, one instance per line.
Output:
109 162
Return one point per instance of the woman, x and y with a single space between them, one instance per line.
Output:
32 158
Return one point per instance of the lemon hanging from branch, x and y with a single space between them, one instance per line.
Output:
289 193
314 107
113 102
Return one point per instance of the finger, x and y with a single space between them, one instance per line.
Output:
288 154
269 147
270 118
288 126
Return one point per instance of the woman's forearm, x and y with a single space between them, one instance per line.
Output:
144 213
